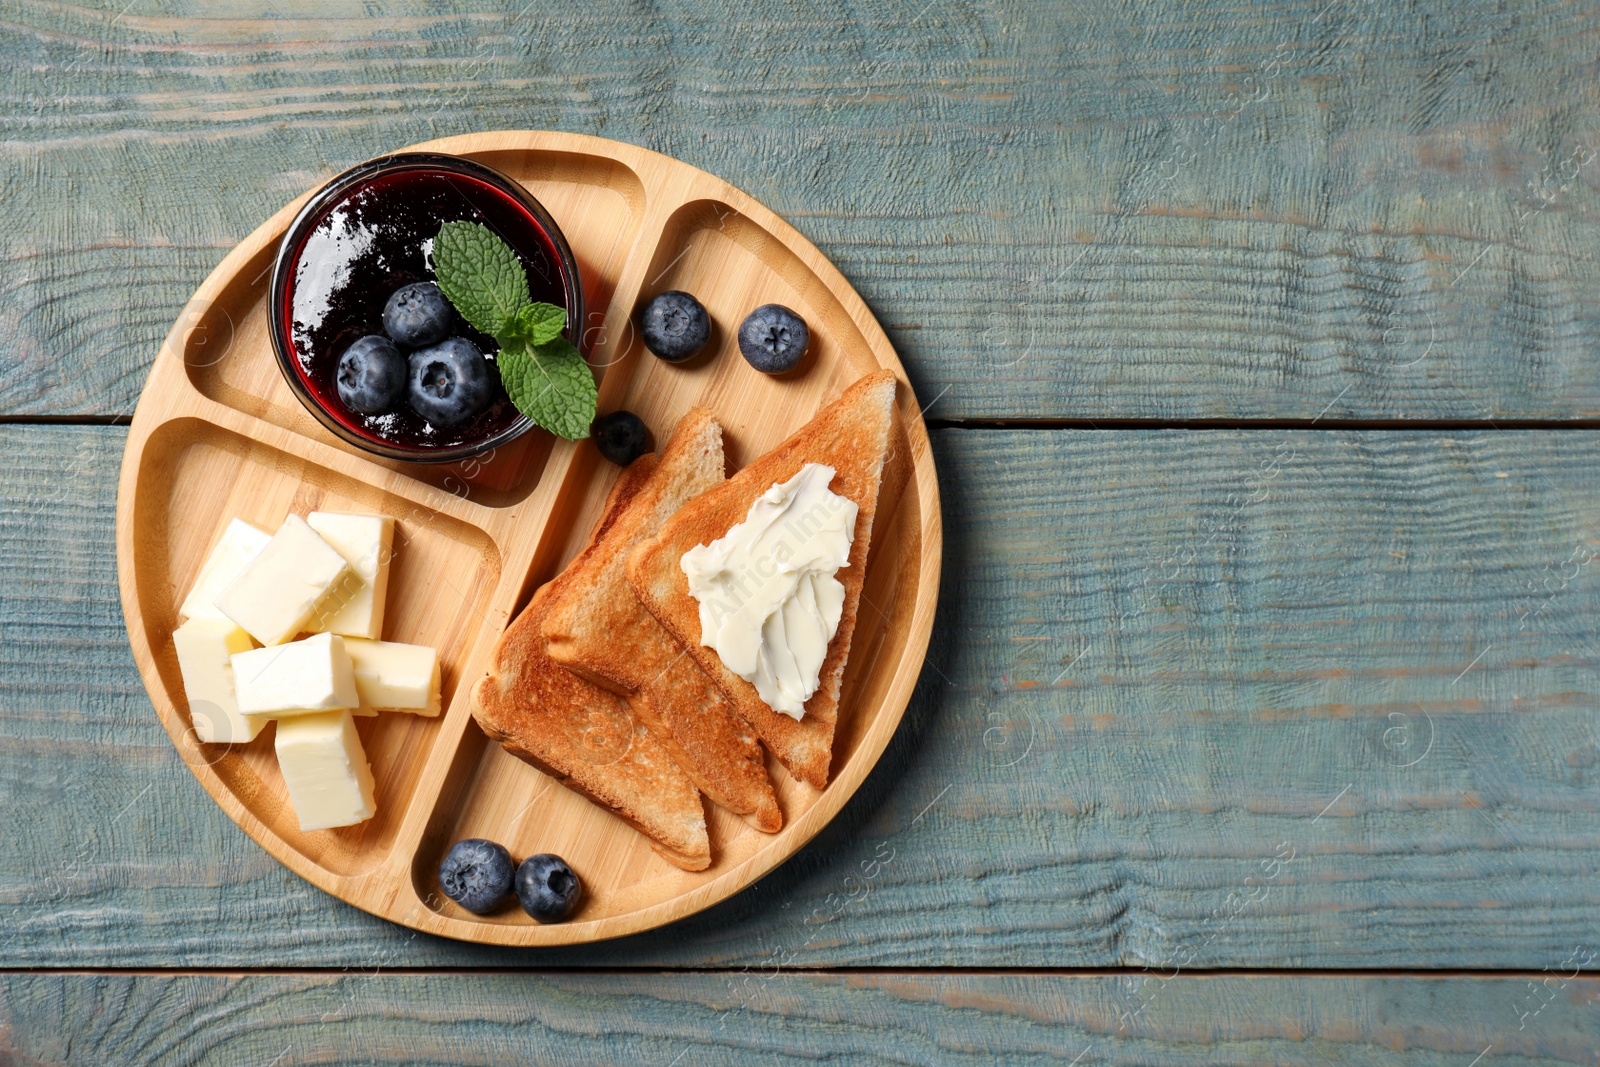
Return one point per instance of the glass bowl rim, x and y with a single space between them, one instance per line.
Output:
286 260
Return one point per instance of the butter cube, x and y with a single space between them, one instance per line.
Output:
204 647
240 544
395 676
325 768
299 678
277 593
354 607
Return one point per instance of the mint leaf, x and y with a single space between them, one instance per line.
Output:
544 375
479 274
533 325
552 385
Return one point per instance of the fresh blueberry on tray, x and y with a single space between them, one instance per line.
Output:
418 314
547 888
450 382
371 375
476 874
621 436
773 339
674 326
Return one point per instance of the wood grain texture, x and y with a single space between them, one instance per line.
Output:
285 1020
1193 699
1190 209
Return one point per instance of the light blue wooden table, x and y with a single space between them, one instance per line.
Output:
1261 348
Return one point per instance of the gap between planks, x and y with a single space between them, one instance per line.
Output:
1319 423
813 971
1443 425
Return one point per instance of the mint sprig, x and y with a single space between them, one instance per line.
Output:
544 375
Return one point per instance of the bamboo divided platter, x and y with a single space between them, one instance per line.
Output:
218 434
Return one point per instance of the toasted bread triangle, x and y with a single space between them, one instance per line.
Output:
587 737
596 627
852 436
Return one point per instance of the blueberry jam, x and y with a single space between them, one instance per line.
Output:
372 241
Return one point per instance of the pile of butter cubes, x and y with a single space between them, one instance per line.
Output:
245 661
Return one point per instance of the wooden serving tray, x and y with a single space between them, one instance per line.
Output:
218 434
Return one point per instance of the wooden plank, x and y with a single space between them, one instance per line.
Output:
1212 698
1198 209
701 1018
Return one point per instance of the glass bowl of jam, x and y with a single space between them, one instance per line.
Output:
366 235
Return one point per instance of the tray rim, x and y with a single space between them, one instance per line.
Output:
731 878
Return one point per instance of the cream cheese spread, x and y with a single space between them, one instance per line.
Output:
769 599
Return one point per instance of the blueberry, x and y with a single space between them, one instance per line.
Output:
450 382
621 436
371 375
418 314
476 874
773 338
674 326
547 888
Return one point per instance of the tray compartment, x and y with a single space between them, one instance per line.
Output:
196 477
495 795
227 348
732 266
500 797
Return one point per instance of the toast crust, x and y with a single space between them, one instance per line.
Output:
852 435
597 628
586 737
